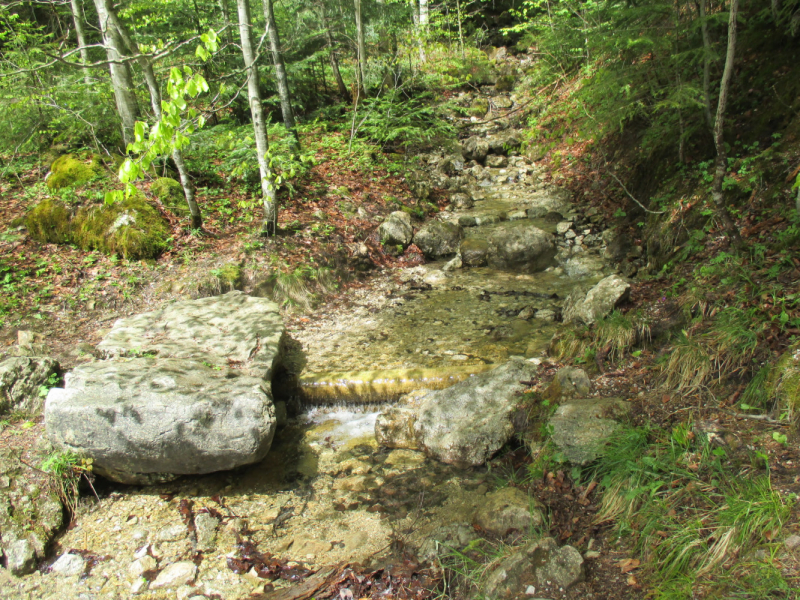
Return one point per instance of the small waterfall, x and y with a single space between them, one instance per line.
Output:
367 387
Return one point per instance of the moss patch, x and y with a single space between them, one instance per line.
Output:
479 107
170 192
68 170
132 228
49 222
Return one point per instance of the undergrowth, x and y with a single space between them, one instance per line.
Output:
693 511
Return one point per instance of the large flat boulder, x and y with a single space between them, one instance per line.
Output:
521 246
148 419
232 329
464 424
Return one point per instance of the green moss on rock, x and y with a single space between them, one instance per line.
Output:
132 228
170 192
49 222
479 107
68 170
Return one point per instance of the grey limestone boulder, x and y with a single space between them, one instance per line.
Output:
149 419
550 569
464 424
396 230
475 148
20 381
439 239
508 509
474 252
569 382
520 246
580 428
598 301
233 328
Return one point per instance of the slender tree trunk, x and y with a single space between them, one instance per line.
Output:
423 13
259 125
77 19
121 79
706 65
721 166
226 20
361 55
460 31
324 79
423 27
343 91
280 72
155 102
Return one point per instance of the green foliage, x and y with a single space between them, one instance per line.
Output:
66 470
397 122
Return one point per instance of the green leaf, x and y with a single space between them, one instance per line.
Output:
202 53
112 197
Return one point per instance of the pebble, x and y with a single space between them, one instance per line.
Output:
176 574
69 564
140 585
145 563
792 542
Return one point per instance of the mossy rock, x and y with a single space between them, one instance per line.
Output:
170 192
68 170
479 107
49 222
132 228
505 83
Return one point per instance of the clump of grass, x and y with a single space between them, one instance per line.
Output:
726 347
688 513
689 366
612 337
302 287
66 470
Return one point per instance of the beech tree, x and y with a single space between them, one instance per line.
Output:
268 191
280 71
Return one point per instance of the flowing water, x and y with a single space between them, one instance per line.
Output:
326 492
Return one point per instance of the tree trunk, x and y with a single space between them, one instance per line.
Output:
721 167
155 103
422 18
257 112
343 91
226 20
361 55
121 79
77 19
280 72
706 65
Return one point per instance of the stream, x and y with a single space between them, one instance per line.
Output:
326 492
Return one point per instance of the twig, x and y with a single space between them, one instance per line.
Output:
763 418
631 196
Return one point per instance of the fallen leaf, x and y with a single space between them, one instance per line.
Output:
627 565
